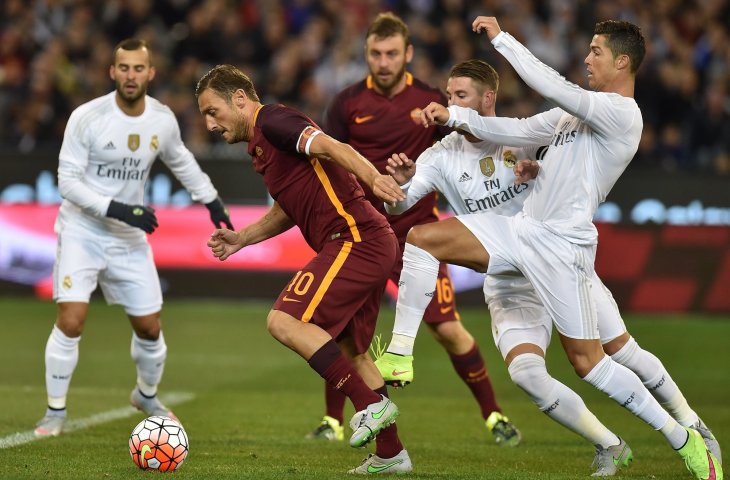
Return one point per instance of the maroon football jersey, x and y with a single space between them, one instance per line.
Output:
377 127
322 198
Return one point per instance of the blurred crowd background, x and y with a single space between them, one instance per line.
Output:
55 55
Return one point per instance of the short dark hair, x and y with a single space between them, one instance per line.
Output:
479 71
129 44
623 38
224 80
388 24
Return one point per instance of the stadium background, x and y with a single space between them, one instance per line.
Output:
665 229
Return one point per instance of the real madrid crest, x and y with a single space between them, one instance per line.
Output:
154 143
486 165
510 159
133 141
67 284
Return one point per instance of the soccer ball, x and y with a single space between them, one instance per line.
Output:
158 443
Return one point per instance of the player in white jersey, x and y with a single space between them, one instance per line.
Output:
592 137
108 149
476 177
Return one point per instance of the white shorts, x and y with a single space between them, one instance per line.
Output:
517 314
124 270
561 272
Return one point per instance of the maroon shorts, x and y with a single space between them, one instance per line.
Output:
443 306
340 289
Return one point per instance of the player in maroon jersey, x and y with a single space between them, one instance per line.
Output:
322 313
379 116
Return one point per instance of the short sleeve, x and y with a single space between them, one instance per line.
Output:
286 128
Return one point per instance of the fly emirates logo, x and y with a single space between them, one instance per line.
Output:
564 136
129 170
496 196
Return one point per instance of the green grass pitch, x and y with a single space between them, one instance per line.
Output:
254 400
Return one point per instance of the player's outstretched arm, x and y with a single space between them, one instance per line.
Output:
223 242
383 186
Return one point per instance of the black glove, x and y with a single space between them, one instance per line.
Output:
219 214
135 215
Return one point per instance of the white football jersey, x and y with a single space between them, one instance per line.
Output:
473 177
107 154
592 137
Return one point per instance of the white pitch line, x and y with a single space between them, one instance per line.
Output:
21 438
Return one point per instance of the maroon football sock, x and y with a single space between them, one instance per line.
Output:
334 401
387 443
473 371
331 365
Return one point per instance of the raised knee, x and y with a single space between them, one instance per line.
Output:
418 236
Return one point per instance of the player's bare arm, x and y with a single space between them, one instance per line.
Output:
223 242
401 168
486 24
383 186
525 170
434 114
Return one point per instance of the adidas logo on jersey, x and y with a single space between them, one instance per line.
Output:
110 146
464 177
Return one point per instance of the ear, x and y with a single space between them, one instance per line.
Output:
239 98
622 62
111 72
152 74
409 53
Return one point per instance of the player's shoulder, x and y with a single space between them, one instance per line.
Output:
451 142
276 112
425 88
97 107
158 108
351 91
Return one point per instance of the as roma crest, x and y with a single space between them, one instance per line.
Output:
486 165
259 151
133 141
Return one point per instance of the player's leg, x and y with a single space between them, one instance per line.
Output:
624 349
61 358
131 280
149 352
319 304
543 257
331 427
324 356
521 329
448 241
467 360
390 456
79 258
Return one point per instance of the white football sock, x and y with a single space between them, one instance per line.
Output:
149 355
415 291
655 377
557 401
624 387
62 355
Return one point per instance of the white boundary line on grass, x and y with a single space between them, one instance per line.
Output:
21 438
